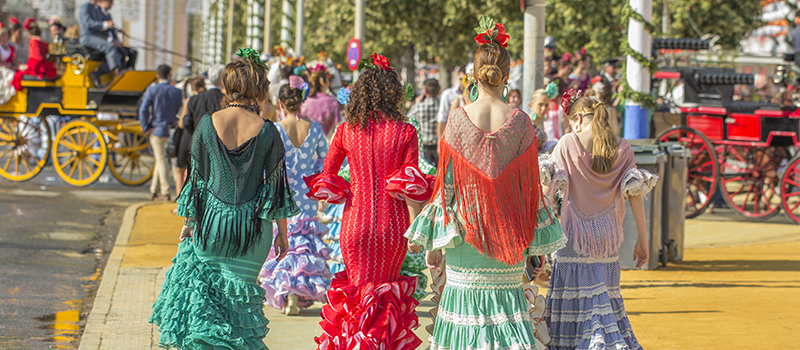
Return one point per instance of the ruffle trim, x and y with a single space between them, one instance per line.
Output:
304 225
327 187
638 182
409 182
429 229
200 306
371 316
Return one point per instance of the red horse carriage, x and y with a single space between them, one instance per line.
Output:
744 152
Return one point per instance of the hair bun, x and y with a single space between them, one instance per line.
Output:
489 74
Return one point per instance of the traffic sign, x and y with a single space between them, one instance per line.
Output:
353 53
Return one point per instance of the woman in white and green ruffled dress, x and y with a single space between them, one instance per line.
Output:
487 213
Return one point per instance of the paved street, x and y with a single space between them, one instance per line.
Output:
54 242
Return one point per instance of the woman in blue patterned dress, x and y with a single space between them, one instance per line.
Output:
303 276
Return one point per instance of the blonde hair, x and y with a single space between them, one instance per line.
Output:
539 93
604 142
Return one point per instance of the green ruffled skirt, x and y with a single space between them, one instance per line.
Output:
209 302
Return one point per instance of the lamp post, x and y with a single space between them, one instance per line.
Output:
638 76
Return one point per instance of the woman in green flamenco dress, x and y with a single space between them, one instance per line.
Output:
487 213
235 188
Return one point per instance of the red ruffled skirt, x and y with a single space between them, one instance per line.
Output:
372 316
42 69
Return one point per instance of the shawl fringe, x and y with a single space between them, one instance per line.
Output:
499 216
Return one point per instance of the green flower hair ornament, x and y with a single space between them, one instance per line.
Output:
252 56
409 92
551 90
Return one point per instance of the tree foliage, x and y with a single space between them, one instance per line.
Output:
596 25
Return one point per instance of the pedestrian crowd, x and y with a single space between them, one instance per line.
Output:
298 187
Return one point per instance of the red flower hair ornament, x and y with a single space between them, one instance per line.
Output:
489 31
27 24
13 20
375 61
568 98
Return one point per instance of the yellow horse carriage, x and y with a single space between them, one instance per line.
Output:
96 127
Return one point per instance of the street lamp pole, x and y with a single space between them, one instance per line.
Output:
229 43
533 67
360 29
299 21
636 115
267 21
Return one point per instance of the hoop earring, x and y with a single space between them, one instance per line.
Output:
505 94
473 93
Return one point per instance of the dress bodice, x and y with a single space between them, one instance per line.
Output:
304 161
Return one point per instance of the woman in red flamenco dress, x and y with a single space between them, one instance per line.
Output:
37 65
369 304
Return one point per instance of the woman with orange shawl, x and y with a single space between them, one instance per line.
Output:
487 213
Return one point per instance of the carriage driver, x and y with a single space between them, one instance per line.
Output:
98 33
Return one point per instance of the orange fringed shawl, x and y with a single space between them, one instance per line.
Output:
499 216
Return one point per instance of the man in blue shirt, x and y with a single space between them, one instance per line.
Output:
158 110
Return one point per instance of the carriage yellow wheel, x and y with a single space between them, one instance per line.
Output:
80 154
24 147
129 157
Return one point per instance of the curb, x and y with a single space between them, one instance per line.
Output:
95 323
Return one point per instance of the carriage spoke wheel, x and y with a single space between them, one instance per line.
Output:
749 181
790 190
24 147
80 153
703 168
130 158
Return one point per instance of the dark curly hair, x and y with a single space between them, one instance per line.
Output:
375 90
292 98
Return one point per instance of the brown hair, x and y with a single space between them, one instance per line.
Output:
245 81
291 98
376 90
315 82
73 32
197 84
492 63
604 142
34 30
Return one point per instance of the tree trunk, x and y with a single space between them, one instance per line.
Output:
407 61
445 75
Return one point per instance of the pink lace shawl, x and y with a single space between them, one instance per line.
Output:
594 204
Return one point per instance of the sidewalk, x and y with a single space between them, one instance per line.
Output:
737 286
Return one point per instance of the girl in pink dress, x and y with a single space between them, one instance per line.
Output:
595 172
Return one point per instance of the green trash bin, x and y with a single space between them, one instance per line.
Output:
676 173
648 157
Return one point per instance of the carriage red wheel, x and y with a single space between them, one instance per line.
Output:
701 186
790 189
749 181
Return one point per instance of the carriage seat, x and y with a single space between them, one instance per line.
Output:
90 54
36 78
748 107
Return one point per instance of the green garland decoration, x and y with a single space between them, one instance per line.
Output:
628 94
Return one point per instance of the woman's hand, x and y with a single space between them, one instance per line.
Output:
641 253
538 270
413 247
186 232
281 244
433 258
